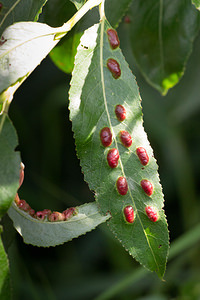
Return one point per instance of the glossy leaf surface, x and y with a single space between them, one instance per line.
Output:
46 234
94 94
9 164
19 10
162 35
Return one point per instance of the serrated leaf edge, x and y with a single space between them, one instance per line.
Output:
71 220
114 137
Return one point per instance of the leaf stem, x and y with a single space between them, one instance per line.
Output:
76 17
102 10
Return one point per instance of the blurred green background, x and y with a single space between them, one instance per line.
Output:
88 266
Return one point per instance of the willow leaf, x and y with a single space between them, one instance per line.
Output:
23 46
94 93
46 234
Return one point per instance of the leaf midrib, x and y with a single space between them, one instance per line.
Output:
114 137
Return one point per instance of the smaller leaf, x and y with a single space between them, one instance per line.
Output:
162 42
5 288
63 54
22 47
46 234
9 164
196 3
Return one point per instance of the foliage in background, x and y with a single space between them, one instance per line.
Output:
17 11
162 35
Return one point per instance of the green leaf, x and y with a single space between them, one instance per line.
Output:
94 93
63 54
162 35
5 288
115 10
46 234
24 46
19 10
196 3
9 164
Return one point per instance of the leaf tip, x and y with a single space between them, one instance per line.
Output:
170 81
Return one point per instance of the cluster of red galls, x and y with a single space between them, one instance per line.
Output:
46 214
126 140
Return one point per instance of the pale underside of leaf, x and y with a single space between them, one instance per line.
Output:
93 96
46 234
24 46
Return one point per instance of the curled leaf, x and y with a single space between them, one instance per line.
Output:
45 234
